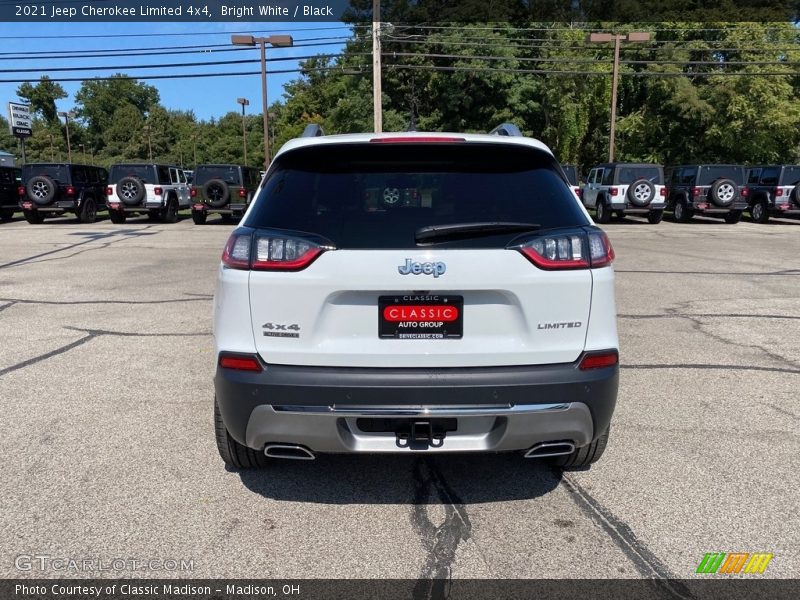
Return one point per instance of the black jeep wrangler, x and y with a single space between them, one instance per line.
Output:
50 189
10 179
223 189
774 191
713 190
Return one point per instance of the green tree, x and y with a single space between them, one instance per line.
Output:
42 98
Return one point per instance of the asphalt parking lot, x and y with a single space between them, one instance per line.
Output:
108 448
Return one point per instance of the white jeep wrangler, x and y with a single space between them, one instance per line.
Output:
158 191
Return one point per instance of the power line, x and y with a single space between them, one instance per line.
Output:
176 34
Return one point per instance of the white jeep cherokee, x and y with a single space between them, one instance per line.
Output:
415 292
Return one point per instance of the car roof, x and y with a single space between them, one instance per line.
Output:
626 164
360 138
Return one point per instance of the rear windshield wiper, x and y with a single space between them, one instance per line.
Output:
463 231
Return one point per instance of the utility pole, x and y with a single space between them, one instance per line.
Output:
377 100
149 142
52 150
633 36
67 116
244 102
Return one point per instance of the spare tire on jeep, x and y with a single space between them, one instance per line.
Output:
795 195
41 189
641 192
130 190
723 192
216 193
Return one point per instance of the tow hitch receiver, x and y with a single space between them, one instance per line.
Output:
413 432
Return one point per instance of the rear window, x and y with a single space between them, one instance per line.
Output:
229 175
791 175
709 175
571 173
363 196
630 174
59 173
146 173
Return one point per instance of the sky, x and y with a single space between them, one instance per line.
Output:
207 97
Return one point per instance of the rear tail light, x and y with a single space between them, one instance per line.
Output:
578 191
70 190
599 360
613 191
745 192
158 191
663 192
778 191
696 191
109 191
21 190
239 362
575 250
242 193
193 192
264 251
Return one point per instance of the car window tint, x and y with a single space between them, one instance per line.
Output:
754 176
608 176
163 175
631 174
378 196
791 175
710 174
146 173
58 173
228 174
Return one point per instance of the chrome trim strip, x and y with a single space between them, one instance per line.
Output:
436 411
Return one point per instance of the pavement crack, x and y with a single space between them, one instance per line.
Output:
711 367
707 316
121 235
45 356
642 558
441 542
105 332
192 298
8 305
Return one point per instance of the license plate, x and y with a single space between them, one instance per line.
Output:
428 317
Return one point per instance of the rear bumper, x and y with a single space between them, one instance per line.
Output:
224 210
497 409
138 208
633 209
58 206
709 208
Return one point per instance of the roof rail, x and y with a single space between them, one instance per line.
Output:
312 130
507 129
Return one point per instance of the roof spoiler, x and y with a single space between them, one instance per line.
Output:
312 130
506 129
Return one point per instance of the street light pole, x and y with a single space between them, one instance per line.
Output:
244 102
377 93
149 144
278 41
83 151
634 36
67 116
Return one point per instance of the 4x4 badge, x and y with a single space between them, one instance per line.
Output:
427 268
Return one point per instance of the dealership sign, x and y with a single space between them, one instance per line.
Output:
19 119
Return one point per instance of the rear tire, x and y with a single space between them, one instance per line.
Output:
681 212
583 457
34 217
733 217
154 215
233 454
199 217
117 217
654 217
171 211
7 214
759 212
602 213
87 213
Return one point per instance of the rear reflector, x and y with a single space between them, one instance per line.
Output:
242 193
599 360
415 139
109 191
239 362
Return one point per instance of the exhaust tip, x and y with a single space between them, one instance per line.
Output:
288 451
545 449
